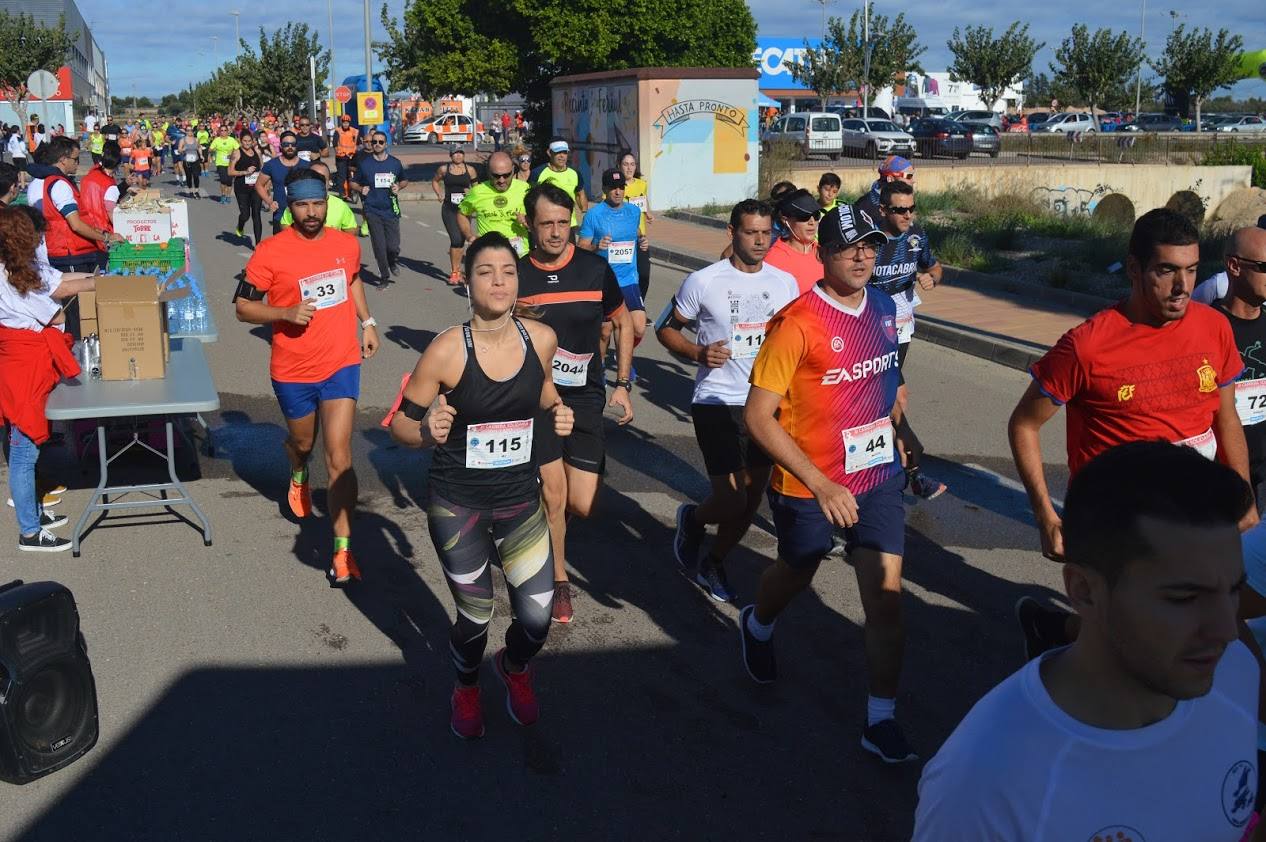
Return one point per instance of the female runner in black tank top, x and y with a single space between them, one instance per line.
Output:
488 381
456 177
244 166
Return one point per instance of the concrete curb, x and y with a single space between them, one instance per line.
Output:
994 347
697 219
1077 301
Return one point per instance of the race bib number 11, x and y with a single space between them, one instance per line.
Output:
327 289
746 340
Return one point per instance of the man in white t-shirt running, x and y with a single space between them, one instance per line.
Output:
729 303
1145 727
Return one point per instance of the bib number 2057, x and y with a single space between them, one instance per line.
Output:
498 444
868 446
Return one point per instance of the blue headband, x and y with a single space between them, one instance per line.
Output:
307 188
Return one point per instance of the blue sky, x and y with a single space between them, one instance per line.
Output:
157 58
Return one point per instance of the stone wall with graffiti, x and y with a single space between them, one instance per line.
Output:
1067 200
696 138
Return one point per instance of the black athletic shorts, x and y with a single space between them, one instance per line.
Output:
448 215
723 439
225 179
902 349
585 449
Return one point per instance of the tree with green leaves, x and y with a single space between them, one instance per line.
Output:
992 64
497 46
1096 66
26 46
839 64
276 77
1196 63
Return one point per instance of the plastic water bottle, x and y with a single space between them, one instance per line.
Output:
200 315
187 317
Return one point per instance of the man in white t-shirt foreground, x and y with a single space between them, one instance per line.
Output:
1145 727
729 304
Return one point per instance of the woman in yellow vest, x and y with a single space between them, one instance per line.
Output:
636 194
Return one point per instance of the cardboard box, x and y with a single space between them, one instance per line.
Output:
132 326
87 313
143 226
179 210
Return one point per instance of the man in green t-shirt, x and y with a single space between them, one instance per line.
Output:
496 205
221 149
557 172
338 213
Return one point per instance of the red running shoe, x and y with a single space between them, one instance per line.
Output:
467 721
520 698
300 499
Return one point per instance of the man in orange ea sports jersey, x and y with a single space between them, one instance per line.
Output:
823 405
1155 366
308 275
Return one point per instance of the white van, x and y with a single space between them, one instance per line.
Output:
815 132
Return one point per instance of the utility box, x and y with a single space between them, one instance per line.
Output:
131 324
694 130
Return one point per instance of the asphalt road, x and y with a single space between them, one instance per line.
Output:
241 698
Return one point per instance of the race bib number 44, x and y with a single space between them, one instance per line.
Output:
498 444
327 289
621 252
570 369
746 339
868 446
1250 401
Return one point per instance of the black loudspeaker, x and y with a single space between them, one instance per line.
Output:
48 700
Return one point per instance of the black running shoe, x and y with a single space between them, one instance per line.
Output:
42 542
886 741
712 578
51 521
689 538
758 655
1043 628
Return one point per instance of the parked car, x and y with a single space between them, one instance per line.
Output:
1110 121
934 136
446 128
873 137
854 112
1243 124
1067 123
815 132
1153 123
985 139
978 118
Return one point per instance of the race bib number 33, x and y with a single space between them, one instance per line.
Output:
327 289
498 444
868 446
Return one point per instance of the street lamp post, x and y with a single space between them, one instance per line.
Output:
1138 80
237 31
866 59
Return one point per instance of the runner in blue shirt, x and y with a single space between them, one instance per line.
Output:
611 229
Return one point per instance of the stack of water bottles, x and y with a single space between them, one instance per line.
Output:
187 315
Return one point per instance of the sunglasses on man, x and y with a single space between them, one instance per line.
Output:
908 209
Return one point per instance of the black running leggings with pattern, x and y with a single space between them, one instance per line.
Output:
469 542
193 173
249 206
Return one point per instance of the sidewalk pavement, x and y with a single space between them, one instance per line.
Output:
1006 322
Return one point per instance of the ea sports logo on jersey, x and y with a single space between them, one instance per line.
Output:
890 328
837 344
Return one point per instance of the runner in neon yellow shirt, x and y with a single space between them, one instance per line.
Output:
568 180
222 148
496 204
338 213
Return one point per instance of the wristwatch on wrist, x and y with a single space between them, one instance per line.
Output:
370 322
625 384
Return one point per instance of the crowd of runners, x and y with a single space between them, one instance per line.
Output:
1137 714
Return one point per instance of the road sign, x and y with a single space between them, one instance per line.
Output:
41 84
369 108
343 94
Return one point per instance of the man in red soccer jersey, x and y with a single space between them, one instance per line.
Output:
1155 366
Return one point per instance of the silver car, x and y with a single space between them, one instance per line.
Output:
814 132
873 137
1243 124
978 118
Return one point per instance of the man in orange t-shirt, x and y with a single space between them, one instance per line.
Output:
309 275
797 254
1155 366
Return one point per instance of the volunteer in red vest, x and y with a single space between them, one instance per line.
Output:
34 356
73 244
99 191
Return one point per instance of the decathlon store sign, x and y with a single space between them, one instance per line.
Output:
774 57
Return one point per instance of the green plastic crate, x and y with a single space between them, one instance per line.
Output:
130 256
